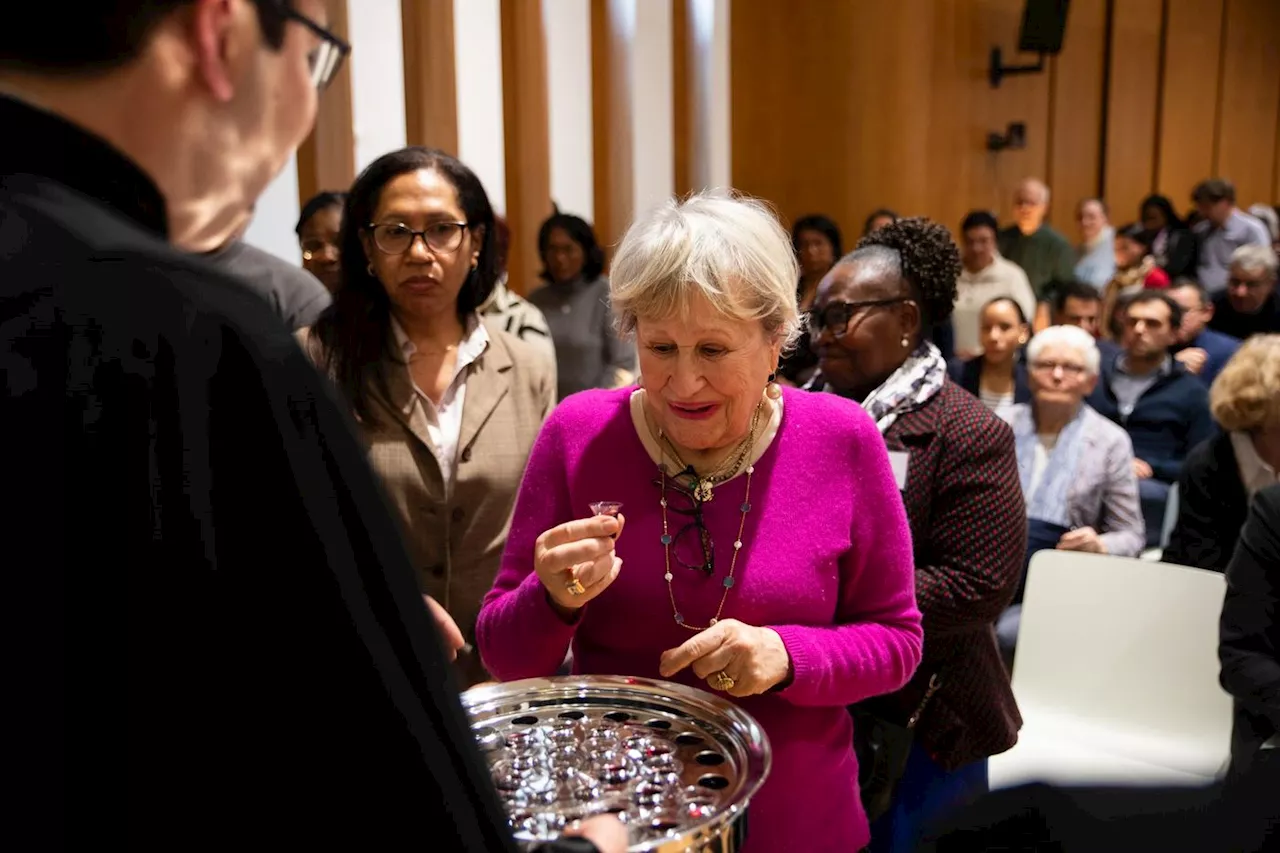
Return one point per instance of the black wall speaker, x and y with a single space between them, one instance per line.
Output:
1043 23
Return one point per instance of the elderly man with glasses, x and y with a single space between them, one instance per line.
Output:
1250 305
221 640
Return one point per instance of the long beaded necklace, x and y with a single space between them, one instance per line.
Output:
728 581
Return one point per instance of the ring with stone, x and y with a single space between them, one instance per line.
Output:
575 587
723 681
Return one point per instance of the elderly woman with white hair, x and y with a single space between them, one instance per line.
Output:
1076 466
766 555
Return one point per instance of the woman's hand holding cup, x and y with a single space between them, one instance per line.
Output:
576 561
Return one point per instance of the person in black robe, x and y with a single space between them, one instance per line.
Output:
218 638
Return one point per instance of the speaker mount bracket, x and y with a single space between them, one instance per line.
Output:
998 70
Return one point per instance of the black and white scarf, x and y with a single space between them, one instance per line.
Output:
913 384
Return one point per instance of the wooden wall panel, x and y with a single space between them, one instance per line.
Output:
1250 93
611 122
1132 102
683 97
527 136
1077 83
430 77
1188 121
327 158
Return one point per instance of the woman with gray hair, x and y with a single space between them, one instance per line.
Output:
767 555
1076 466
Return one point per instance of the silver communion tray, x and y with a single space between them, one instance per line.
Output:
678 766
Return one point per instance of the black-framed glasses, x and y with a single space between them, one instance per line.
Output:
396 238
327 57
693 539
836 315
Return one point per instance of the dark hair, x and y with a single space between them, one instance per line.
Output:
1214 190
979 219
103 35
501 242
930 264
580 232
1135 232
1017 309
1142 296
317 203
823 225
876 214
1185 282
355 331
1172 219
1074 289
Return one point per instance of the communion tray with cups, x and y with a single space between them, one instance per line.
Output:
676 765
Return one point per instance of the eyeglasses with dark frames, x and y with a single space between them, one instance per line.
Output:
695 529
837 315
327 57
396 238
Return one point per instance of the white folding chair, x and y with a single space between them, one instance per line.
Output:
1116 674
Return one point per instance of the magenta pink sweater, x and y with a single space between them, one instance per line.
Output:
826 562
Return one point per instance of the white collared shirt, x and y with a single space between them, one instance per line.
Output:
1255 473
444 421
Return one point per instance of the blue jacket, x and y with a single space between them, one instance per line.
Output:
1170 418
1219 348
968 375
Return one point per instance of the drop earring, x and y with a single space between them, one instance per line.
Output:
771 389
906 341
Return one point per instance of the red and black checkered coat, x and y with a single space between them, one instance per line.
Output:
969 527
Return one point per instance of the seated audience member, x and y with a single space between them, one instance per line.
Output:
1221 474
878 219
1249 639
818 244
998 376
1135 269
1201 350
1164 408
575 302
984 276
1096 252
318 229
1250 305
1077 303
509 311
958 474
1172 244
1044 254
1223 228
1076 466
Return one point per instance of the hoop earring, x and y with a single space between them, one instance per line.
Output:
369 269
771 389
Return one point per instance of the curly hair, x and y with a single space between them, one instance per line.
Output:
1246 394
930 264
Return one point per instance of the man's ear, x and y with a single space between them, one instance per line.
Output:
222 34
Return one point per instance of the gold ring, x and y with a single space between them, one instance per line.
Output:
722 681
575 587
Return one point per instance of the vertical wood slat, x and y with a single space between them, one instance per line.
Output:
528 136
1250 93
1131 146
1187 131
683 81
430 75
1075 155
327 158
611 121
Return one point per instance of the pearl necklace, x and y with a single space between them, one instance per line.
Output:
728 581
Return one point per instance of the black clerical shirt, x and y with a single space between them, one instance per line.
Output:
217 637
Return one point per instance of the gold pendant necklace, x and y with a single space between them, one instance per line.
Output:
703 485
